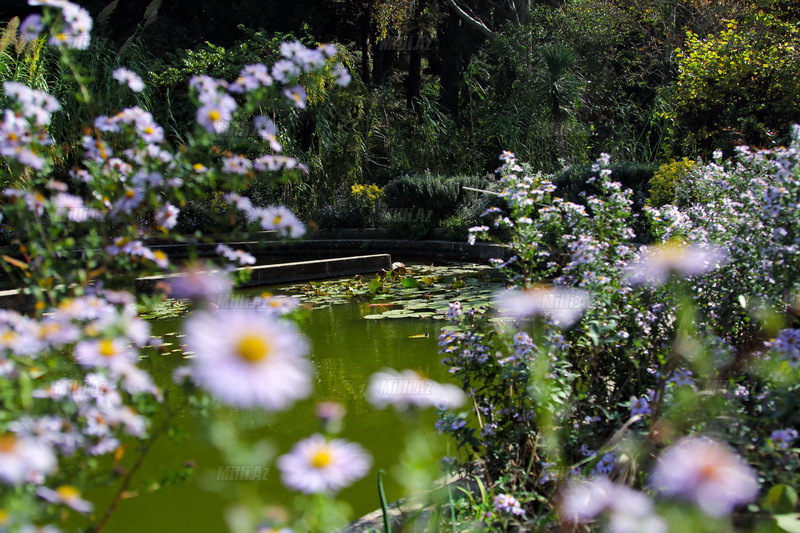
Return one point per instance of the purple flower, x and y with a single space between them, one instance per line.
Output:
657 262
31 27
454 311
563 306
788 344
297 95
640 406
626 509
782 438
605 465
129 78
506 503
317 465
706 472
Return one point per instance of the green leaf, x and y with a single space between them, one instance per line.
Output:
410 282
788 522
375 285
780 499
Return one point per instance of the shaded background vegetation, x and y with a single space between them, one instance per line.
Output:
557 82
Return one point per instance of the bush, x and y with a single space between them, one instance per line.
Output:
439 194
358 208
634 356
666 178
575 184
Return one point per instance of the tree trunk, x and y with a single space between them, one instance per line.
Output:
450 63
366 44
414 79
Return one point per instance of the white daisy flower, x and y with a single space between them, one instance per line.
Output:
318 465
236 164
267 130
67 495
563 306
341 76
197 283
296 94
235 256
23 458
216 113
129 78
408 389
706 472
110 353
249 358
167 216
279 218
657 262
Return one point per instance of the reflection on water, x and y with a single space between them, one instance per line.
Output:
345 349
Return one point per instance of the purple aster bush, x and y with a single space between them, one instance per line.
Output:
692 334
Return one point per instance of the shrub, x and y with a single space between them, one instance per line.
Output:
360 208
632 357
665 179
576 184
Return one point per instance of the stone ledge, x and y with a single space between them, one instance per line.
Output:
297 271
261 275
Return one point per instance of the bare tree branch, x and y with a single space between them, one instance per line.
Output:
523 9
475 23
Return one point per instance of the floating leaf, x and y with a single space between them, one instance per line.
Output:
410 282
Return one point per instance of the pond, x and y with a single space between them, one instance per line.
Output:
346 350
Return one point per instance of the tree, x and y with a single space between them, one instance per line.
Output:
556 87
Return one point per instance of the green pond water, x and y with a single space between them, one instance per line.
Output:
346 349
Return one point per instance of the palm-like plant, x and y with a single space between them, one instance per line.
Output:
556 87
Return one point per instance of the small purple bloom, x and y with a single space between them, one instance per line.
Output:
640 406
782 438
506 503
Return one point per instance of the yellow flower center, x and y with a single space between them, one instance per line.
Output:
322 458
68 492
49 329
7 443
130 193
8 336
149 130
670 253
214 115
277 220
4 516
13 137
107 348
198 166
253 348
